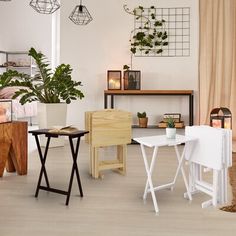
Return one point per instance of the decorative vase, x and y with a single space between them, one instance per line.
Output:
143 122
171 133
50 115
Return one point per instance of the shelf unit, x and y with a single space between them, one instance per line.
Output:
109 99
109 102
24 62
153 127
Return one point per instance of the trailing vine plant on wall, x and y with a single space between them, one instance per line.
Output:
150 35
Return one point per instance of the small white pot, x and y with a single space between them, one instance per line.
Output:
171 133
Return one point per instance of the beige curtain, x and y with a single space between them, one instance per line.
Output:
217 58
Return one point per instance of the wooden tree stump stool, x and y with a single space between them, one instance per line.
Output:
5 149
13 146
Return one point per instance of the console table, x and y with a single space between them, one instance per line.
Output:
113 93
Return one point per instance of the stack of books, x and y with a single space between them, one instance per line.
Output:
176 117
63 130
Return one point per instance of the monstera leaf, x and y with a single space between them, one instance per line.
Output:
45 86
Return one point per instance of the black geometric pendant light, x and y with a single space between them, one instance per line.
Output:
45 6
80 15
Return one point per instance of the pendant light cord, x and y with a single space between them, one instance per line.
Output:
81 6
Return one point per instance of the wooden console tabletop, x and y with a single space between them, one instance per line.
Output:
148 92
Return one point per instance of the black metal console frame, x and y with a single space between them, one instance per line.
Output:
188 93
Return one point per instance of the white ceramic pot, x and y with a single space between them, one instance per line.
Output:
171 133
50 115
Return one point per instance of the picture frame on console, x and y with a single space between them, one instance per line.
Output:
132 80
114 80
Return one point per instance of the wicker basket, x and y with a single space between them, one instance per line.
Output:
232 180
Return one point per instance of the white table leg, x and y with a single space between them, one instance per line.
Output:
149 177
154 155
215 187
223 186
221 195
193 177
180 167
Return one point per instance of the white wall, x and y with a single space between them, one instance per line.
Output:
21 27
104 44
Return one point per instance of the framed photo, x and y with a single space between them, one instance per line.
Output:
5 110
114 80
132 80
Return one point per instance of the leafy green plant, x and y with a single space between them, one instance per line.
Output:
151 34
45 86
141 114
170 122
125 67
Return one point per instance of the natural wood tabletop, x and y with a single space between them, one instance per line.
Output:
148 92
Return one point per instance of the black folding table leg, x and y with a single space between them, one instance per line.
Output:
79 182
74 169
43 160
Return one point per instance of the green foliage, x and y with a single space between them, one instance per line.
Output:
8 79
126 67
141 114
45 86
151 35
170 122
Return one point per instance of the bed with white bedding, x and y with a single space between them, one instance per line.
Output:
28 110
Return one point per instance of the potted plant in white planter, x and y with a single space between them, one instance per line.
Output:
170 129
53 90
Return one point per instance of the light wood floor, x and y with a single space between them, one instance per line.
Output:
111 206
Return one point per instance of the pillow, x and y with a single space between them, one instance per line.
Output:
8 92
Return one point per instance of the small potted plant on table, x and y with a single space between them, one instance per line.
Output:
143 119
170 129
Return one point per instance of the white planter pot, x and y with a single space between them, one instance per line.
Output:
171 133
49 115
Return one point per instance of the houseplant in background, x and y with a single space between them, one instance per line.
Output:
143 119
170 129
53 90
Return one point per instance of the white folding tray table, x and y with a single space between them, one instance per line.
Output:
155 142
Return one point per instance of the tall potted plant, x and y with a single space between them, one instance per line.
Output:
53 90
